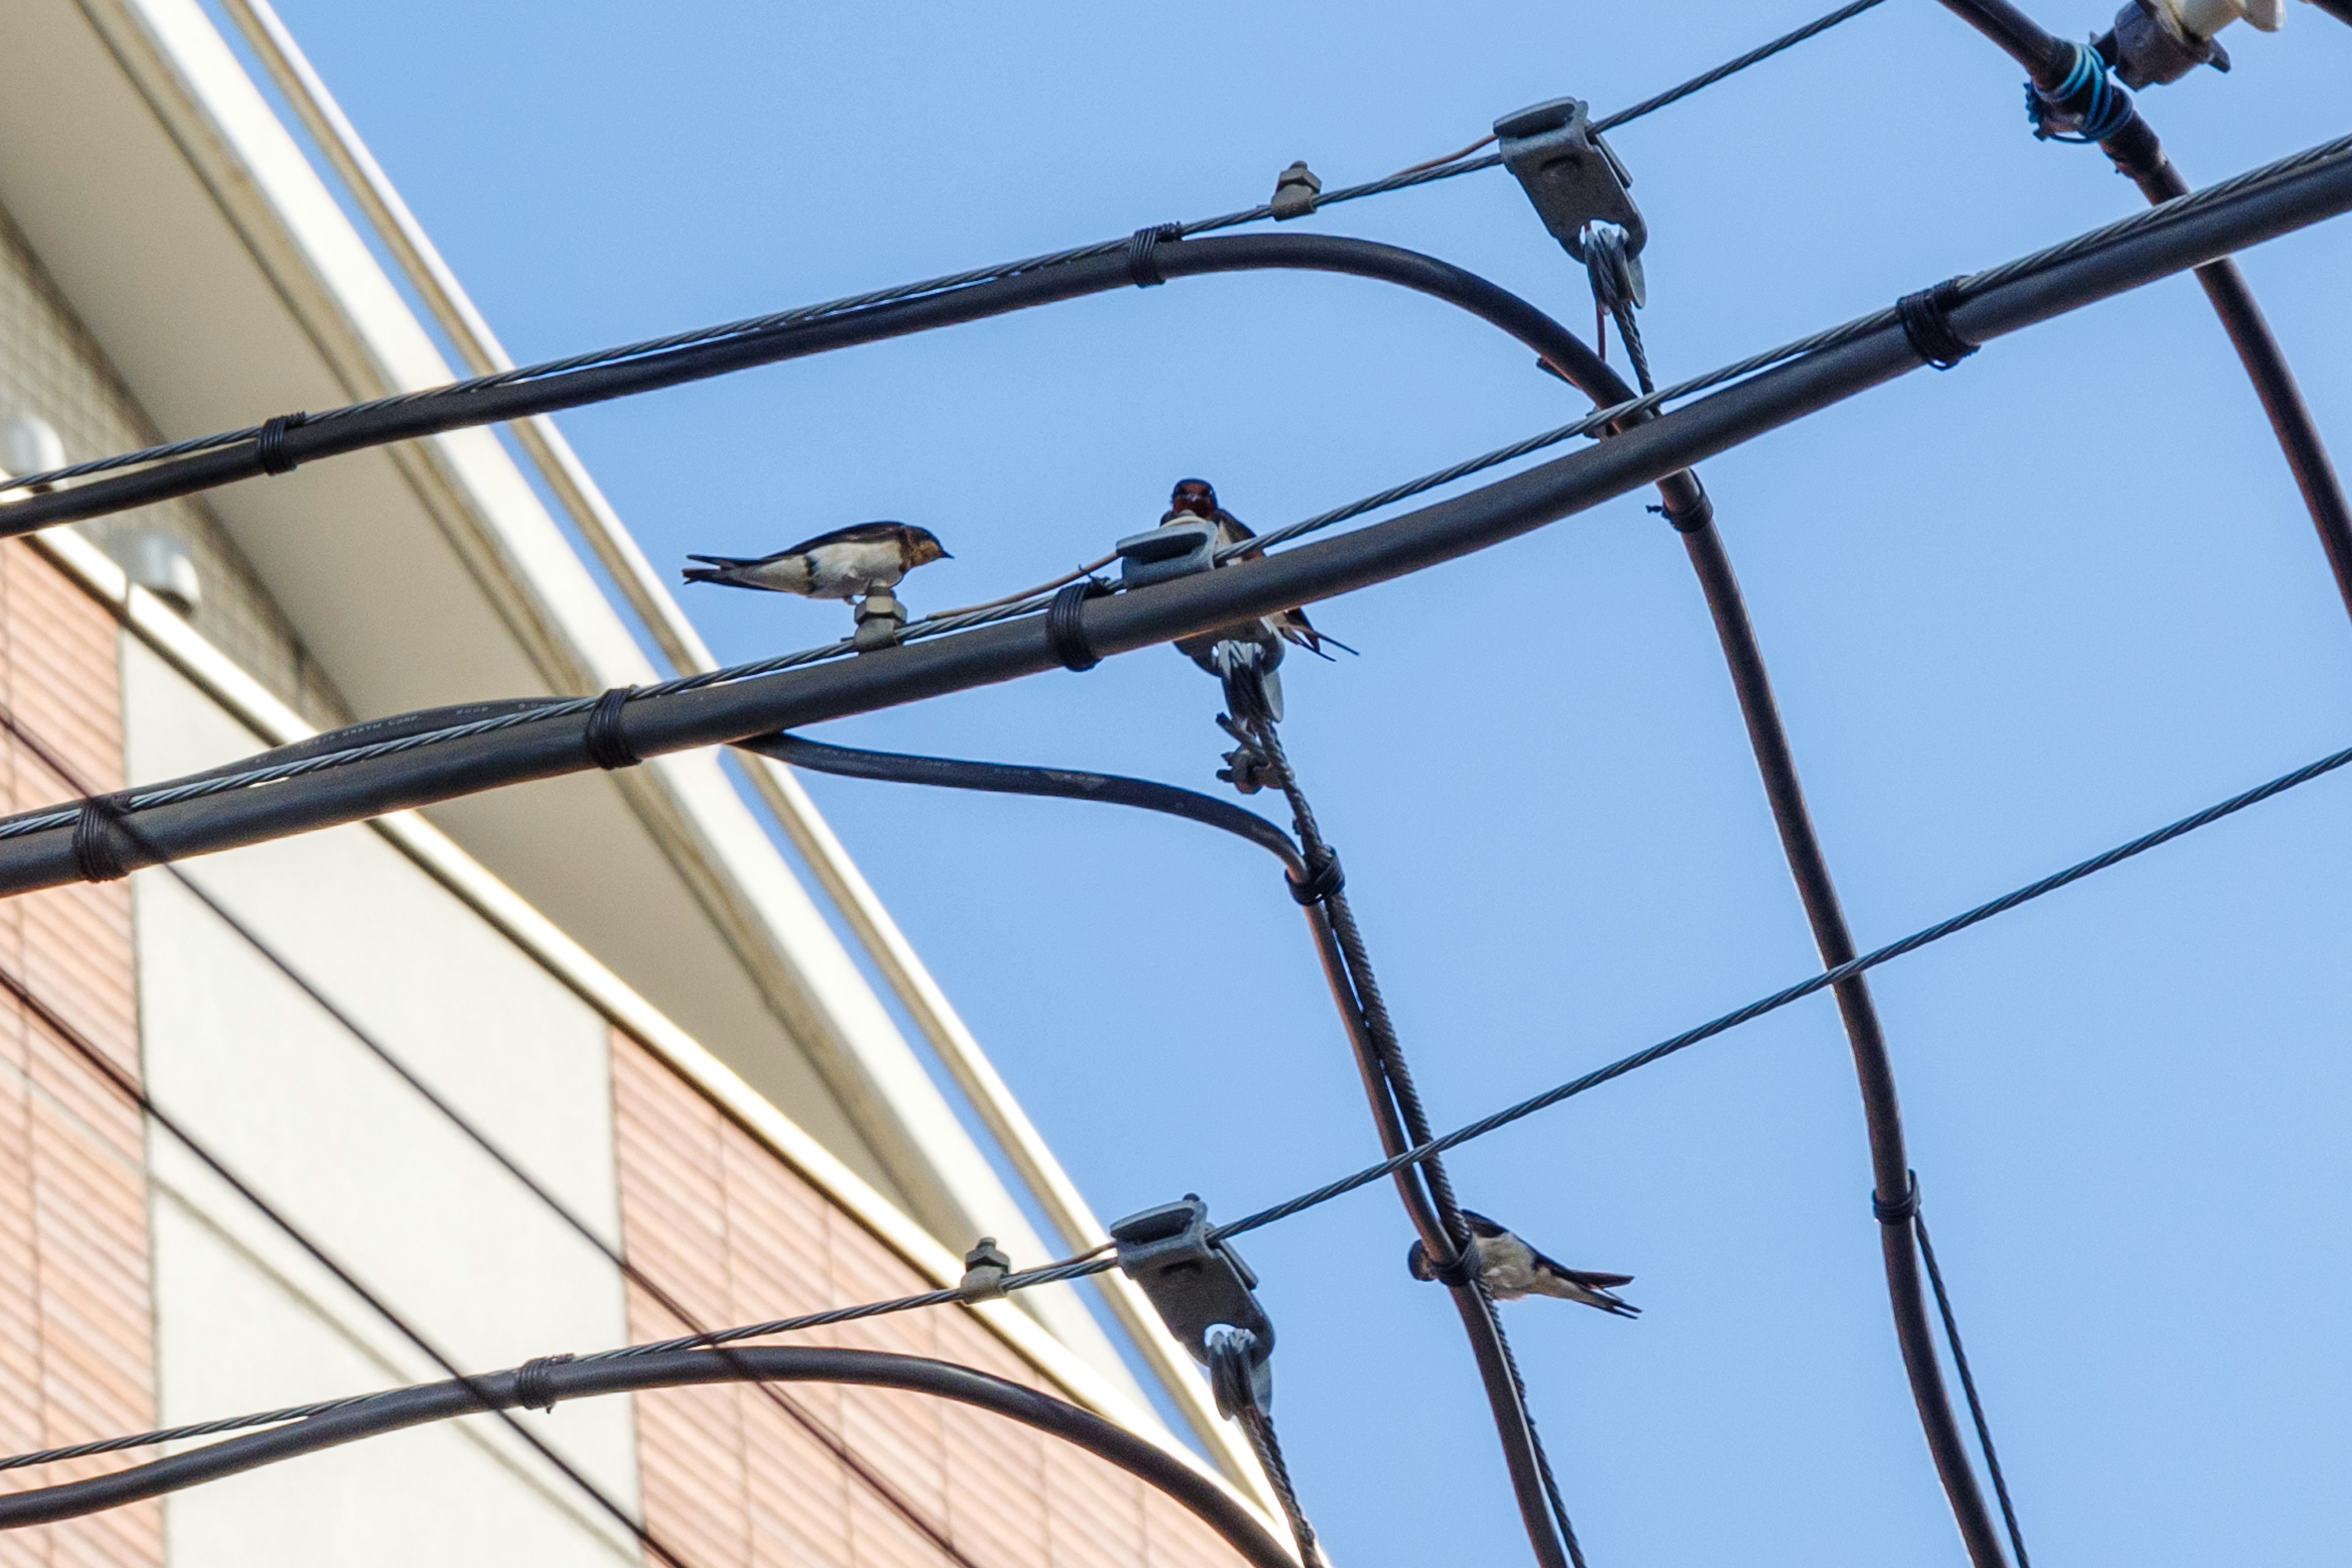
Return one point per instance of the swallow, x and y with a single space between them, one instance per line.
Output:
1198 498
847 564
1510 1268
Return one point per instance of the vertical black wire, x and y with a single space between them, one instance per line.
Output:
1968 1384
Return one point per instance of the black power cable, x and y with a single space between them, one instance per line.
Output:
723 706
272 454
542 1383
873 1480
1312 875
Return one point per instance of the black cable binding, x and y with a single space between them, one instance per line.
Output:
1903 1210
533 1388
1927 322
97 848
269 446
607 738
1323 879
1142 252
1066 627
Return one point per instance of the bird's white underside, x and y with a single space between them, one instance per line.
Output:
833 571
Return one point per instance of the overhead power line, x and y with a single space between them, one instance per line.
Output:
1771 389
263 436
1076 1268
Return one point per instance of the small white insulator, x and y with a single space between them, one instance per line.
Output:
160 564
2203 19
29 444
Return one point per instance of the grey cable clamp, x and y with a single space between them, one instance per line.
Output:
1574 178
1199 1286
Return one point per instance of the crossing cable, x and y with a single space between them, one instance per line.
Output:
1865 1033
1313 879
1093 1263
269 438
875 1481
125 1085
333 750
2262 204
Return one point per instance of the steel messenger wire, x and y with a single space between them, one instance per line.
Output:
527 711
943 284
1084 1264
874 1480
132 1090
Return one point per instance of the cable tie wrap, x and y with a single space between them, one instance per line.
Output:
1323 880
2086 106
532 1388
1904 1210
607 738
269 446
97 850
1927 323
1142 252
1066 627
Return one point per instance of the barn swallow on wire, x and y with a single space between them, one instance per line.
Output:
847 564
1198 498
1510 1268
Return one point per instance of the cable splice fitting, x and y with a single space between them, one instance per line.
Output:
607 737
1066 627
1904 1210
531 1390
97 848
1927 322
269 446
1323 880
1142 248
2086 107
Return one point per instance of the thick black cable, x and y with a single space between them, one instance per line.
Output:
2262 204
411 731
271 436
1784 998
850 1460
552 1380
1918 1222
132 1090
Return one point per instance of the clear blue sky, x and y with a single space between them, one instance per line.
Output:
2015 613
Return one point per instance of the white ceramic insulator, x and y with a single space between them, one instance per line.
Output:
2203 19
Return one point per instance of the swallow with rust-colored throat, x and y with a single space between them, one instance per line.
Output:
1510 1268
847 564
1198 498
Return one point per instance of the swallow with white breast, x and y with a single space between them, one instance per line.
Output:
847 564
1198 498
1510 1268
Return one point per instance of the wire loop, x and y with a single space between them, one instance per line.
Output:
1927 323
1066 627
1323 879
97 843
2087 96
269 446
607 736
532 1382
1142 252
1903 1210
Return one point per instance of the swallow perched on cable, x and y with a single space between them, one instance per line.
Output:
847 564
1510 1268
1198 498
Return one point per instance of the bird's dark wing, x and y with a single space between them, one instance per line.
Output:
1585 1276
856 534
1236 524
1480 1225
730 560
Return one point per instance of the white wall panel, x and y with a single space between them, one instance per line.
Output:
365 1166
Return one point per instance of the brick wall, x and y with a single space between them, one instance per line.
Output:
734 1483
76 1325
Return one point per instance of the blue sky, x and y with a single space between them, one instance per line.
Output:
2015 613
